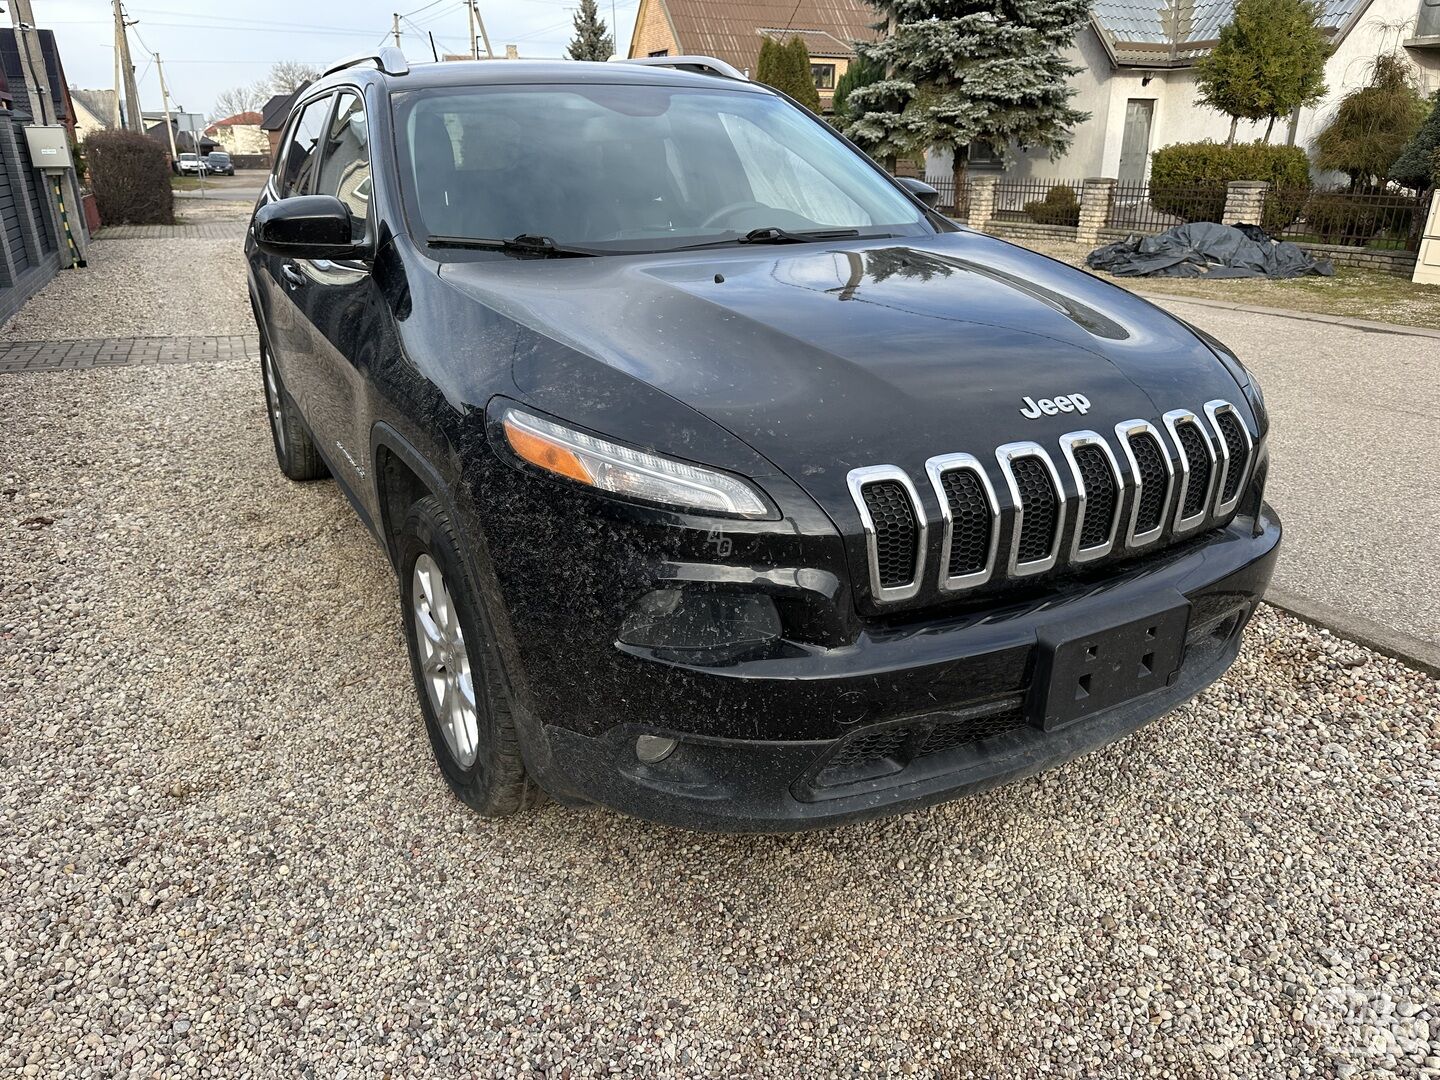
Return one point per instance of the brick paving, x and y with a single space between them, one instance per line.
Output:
207 230
122 352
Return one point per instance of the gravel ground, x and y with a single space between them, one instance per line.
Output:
145 288
224 848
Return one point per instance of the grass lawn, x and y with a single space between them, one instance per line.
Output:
1360 294
185 183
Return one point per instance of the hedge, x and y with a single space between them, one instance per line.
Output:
1059 207
130 176
1189 180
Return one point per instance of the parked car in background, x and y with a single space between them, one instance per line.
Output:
193 164
727 483
219 162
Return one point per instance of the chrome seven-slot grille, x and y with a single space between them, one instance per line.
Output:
1186 471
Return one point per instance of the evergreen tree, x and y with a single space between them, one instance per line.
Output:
1269 61
802 77
592 39
861 72
1373 124
963 71
1413 167
770 69
786 67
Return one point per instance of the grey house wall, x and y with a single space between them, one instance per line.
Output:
29 236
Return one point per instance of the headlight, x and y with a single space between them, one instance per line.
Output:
624 471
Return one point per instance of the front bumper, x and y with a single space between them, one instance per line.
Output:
978 726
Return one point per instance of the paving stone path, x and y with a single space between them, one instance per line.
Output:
121 352
206 230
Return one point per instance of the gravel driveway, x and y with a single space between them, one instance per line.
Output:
224 848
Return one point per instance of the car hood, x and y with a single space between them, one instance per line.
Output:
827 357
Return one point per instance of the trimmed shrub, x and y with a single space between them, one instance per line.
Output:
1189 180
131 178
1059 207
1338 219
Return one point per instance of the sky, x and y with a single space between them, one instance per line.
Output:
208 46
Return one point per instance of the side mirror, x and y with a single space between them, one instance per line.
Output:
921 190
308 227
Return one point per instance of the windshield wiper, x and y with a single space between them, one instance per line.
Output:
523 244
773 235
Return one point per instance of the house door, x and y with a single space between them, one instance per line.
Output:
1135 146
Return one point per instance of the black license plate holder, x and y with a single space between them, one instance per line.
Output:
1088 665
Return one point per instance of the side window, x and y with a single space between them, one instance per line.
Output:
345 167
300 154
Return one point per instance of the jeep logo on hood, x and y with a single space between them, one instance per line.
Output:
1050 406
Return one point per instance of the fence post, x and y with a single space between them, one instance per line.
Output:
1095 198
982 201
1245 202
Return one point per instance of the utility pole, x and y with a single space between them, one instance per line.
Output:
395 27
165 104
61 188
119 115
480 19
134 120
474 39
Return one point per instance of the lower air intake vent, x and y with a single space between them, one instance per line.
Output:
895 532
1041 508
1239 447
1153 478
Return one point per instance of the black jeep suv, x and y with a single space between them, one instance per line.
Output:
727 483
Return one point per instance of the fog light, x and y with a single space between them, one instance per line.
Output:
652 749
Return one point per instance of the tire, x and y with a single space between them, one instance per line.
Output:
456 670
294 448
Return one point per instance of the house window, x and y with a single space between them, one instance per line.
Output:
824 76
660 52
983 156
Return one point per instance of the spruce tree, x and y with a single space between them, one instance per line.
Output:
592 39
860 72
963 71
770 68
1269 61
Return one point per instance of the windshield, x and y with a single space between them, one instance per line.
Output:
188 157
632 168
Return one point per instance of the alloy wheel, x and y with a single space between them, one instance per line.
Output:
272 400
444 661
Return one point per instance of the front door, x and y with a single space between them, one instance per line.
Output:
1135 146
337 301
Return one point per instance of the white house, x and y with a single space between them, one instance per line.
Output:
1137 80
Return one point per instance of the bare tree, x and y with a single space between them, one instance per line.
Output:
240 99
290 75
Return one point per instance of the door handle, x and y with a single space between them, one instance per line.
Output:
291 273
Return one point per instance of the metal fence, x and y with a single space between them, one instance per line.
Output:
1387 220
1044 202
1143 208
944 183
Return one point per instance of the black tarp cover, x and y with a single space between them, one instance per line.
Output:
1205 249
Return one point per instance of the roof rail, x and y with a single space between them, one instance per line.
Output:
705 65
388 59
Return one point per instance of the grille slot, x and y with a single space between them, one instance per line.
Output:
1042 509
1233 441
952 733
885 751
1097 479
1196 469
1197 462
1152 475
894 530
894 519
970 518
